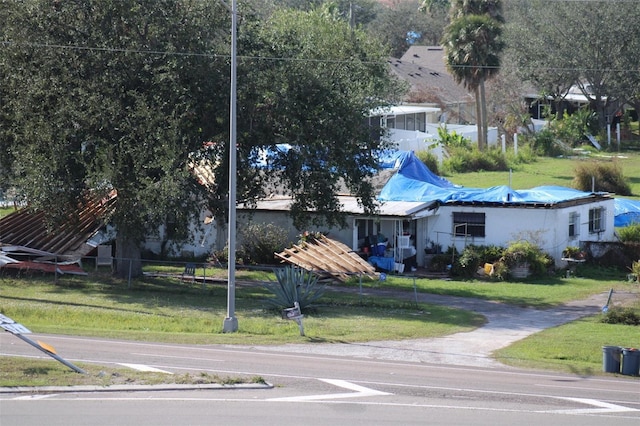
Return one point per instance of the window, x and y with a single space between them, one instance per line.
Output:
420 122
391 122
596 220
411 122
468 224
366 231
574 225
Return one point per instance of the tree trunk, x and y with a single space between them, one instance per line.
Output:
222 234
479 118
128 258
485 119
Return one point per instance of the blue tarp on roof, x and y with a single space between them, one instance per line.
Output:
627 212
415 182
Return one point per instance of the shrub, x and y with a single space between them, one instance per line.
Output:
522 251
429 160
625 316
442 262
259 242
571 129
545 143
439 263
629 234
474 257
604 177
294 285
462 160
635 269
452 140
572 252
526 155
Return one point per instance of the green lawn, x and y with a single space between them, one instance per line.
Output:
6 210
27 372
574 348
163 309
539 292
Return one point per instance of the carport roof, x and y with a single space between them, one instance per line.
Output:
413 209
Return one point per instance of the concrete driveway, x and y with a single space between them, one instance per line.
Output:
505 324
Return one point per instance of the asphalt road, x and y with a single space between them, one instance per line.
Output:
315 389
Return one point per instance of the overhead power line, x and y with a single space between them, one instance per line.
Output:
290 59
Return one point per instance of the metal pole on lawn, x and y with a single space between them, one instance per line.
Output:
231 322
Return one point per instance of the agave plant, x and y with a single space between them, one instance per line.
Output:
294 285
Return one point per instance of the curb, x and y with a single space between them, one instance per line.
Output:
132 388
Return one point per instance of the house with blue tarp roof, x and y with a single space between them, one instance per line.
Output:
419 210
553 216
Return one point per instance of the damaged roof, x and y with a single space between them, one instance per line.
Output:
29 228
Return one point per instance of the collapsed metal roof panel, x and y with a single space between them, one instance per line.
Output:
29 228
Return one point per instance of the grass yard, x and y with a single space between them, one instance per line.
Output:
573 348
21 372
6 210
535 292
167 310
162 310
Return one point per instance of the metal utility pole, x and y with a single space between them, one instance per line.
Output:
230 324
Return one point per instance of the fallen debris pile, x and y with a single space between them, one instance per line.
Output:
327 258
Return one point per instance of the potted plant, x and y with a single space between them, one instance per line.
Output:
523 258
573 253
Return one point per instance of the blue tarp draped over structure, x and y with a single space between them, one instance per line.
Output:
415 182
627 212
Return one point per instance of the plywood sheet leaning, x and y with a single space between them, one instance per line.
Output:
327 258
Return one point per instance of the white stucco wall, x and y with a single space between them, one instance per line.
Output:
282 220
201 240
547 227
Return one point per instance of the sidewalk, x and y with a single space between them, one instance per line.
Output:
505 325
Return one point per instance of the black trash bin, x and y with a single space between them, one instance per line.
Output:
630 361
611 359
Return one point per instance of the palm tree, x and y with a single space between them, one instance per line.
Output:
492 8
472 43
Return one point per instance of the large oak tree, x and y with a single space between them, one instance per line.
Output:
118 94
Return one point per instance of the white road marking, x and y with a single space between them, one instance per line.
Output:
142 367
35 397
632 391
604 407
359 391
